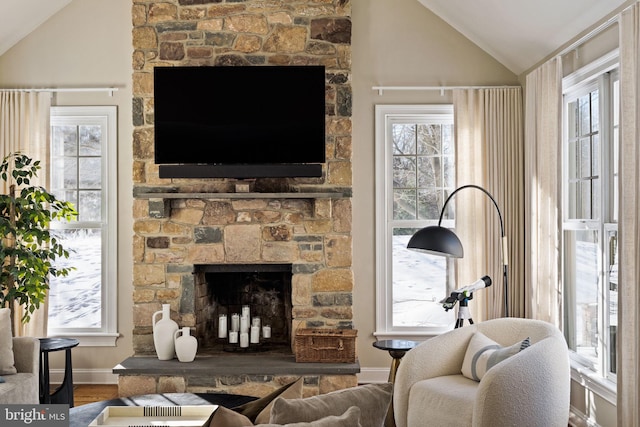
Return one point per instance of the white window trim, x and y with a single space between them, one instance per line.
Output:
108 334
384 209
582 371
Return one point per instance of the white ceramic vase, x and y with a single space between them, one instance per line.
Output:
186 344
163 333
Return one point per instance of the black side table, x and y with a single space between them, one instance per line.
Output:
397 350
64 393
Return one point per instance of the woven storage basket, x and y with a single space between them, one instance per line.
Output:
325 345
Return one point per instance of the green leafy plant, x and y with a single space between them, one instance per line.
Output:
28 250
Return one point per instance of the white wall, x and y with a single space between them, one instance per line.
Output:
88 44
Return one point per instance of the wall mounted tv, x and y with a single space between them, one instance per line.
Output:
239 122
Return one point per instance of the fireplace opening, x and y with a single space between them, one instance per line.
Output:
243 308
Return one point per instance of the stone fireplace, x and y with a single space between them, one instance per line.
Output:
181 225
221 292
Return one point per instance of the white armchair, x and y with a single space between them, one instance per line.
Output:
530 388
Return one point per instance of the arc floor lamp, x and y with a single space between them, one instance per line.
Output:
438 240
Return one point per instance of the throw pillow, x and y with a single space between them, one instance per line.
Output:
372 399
1 380
224 417
7 364
259 411
351 418
483 353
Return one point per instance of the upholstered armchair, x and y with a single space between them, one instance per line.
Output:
529 386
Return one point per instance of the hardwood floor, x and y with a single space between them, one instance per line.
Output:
89 393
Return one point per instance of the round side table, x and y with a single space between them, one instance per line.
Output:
64 393
397 350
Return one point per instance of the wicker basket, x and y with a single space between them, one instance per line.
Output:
325 345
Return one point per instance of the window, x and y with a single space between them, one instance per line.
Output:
415 172
589 228
83 171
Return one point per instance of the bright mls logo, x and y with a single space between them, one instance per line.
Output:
34 415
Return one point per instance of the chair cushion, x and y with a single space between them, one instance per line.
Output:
442 401
483 353
7 365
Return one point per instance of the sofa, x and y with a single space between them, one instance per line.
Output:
19 365
497 373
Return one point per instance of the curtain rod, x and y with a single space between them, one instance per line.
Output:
68 89
381 89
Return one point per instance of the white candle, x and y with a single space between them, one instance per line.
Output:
255 334
244 324
235 322
244 340
222 326
266 331
246 311
233 337
255 322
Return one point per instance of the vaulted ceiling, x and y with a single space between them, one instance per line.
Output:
517 33
521 33
20 17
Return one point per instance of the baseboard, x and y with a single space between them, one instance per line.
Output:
578 418
85 376
373 375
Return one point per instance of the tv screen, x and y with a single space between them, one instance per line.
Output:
254 115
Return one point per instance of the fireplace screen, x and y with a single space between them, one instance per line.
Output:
243 308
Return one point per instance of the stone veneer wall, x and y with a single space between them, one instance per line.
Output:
314 235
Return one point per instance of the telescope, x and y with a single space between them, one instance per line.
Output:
465 293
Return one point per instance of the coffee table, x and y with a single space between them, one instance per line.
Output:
81 416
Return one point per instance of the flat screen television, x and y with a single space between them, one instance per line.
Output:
239 121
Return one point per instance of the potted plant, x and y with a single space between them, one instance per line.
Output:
28 250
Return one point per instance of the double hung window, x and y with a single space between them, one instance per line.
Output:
415 172
590 218
83 171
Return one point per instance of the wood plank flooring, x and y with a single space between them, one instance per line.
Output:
89 393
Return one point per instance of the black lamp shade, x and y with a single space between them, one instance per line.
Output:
436 240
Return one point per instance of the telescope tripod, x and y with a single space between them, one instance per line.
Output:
463 313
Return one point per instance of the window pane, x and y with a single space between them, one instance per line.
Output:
75 301
419 284
429 140
89 207
404 139
64 140
581 291
90 140
429 172
612 297
429 204
404 204
90 172
404 172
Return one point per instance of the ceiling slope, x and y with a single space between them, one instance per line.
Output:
520 33
18 18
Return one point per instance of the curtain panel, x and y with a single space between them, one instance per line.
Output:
24 127
628 374
489 153
543 292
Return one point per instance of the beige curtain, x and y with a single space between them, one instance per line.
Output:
24 127
542 164
489 153
629 221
